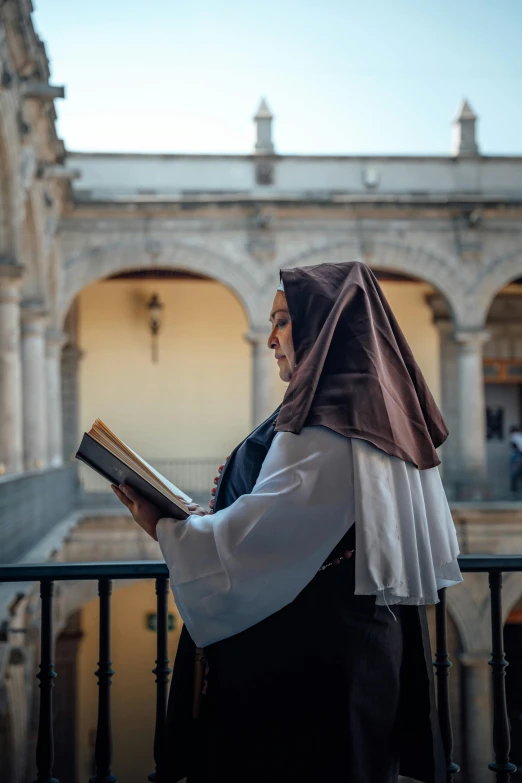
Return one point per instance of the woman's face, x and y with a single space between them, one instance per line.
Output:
280 339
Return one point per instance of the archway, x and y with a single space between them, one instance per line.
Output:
87 265
496 275
503 378
182 409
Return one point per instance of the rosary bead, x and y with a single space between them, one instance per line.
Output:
213 490
211 504
336 560
348 554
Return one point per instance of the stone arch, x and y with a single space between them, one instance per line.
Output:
497 273
102 261
426 265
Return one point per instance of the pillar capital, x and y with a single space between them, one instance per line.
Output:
33 316
10 272
472 337
11 279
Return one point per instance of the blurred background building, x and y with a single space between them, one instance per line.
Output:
136 288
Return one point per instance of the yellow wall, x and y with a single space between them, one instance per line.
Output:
196 400
133 691
408 302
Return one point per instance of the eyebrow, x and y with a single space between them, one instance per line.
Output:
279 310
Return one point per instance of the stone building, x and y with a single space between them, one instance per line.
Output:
87 241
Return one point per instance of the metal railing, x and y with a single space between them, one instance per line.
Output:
30 506
104 573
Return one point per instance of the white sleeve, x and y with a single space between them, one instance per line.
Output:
234 568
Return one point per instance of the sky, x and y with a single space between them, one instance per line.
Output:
341 77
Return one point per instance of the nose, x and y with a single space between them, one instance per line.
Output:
272 340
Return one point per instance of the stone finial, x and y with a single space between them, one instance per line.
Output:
263 120
464 131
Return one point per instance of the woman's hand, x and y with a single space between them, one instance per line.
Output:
195 509
146 514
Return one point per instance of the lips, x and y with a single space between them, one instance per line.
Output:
280 357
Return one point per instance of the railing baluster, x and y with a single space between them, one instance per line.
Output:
501 739
103 747
46 675
442 666
162 672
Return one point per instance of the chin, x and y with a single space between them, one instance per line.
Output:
285 374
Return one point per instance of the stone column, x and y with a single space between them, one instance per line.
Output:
449 396
11 438
477 712
472 415
34 380
71 357
262 376
55 340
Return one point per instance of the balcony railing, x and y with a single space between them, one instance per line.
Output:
104 573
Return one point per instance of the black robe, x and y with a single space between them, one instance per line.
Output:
330 688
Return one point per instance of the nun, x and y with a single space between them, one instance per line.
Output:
305 655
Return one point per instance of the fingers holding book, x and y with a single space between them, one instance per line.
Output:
194 508
145 514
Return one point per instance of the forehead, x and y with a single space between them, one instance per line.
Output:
279 301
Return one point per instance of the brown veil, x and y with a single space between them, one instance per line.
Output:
355 372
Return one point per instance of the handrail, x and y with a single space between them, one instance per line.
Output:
152 569
36 572
490 563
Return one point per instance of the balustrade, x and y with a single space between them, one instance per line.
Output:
47 573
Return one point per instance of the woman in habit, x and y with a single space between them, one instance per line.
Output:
303 592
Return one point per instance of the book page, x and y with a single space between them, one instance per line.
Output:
106 438
173 488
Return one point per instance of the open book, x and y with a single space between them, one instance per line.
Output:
115 461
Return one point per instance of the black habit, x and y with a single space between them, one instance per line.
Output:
331 688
